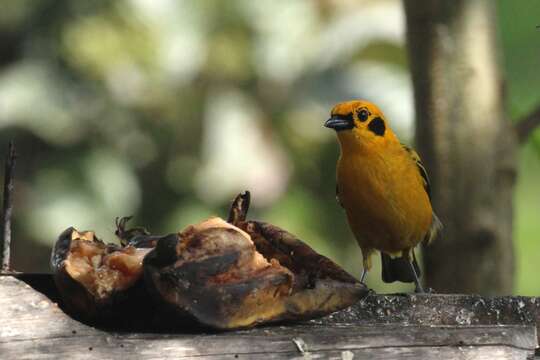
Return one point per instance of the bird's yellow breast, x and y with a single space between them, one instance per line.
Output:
382 192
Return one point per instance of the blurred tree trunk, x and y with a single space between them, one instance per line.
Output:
466 142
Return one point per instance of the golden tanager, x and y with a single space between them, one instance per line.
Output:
384 189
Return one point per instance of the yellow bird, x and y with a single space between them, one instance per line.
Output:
384 189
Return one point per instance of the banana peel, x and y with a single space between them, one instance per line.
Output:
221 274
241 273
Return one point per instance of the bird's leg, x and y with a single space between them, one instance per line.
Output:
418 286
364 275
412 262
366 263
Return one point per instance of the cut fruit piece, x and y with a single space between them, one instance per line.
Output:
92 276
225 275
213 272
243 273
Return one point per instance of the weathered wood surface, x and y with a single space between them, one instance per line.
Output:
441 309
32 326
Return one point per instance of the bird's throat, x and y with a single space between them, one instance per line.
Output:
349 142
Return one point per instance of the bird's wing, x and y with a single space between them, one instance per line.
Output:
337 196
416 158
436 225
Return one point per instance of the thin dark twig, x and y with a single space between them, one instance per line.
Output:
8 207
527 125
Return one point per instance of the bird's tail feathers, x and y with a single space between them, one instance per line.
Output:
398 269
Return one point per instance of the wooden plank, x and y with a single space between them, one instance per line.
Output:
157 350
27 313
313 338
407 309
34 327
439 353
317 341
442 309
108 345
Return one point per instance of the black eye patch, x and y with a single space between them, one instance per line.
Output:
377 126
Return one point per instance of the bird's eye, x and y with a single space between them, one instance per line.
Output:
363 115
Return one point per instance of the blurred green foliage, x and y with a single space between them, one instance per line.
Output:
166 109
520 38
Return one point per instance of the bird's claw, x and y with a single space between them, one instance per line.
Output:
370 292
424 291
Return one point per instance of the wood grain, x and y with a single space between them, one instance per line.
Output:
34 327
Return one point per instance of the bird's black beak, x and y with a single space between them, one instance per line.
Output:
339 123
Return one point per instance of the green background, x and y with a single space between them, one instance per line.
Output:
166 109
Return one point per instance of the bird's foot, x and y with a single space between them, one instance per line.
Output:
423 291
370 292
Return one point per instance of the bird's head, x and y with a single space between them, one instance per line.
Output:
358 123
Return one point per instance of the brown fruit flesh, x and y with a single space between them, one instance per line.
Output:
102 271
222 274
215 236
218 277
320 286
228 276
97 282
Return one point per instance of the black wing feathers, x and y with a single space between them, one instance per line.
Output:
421 169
